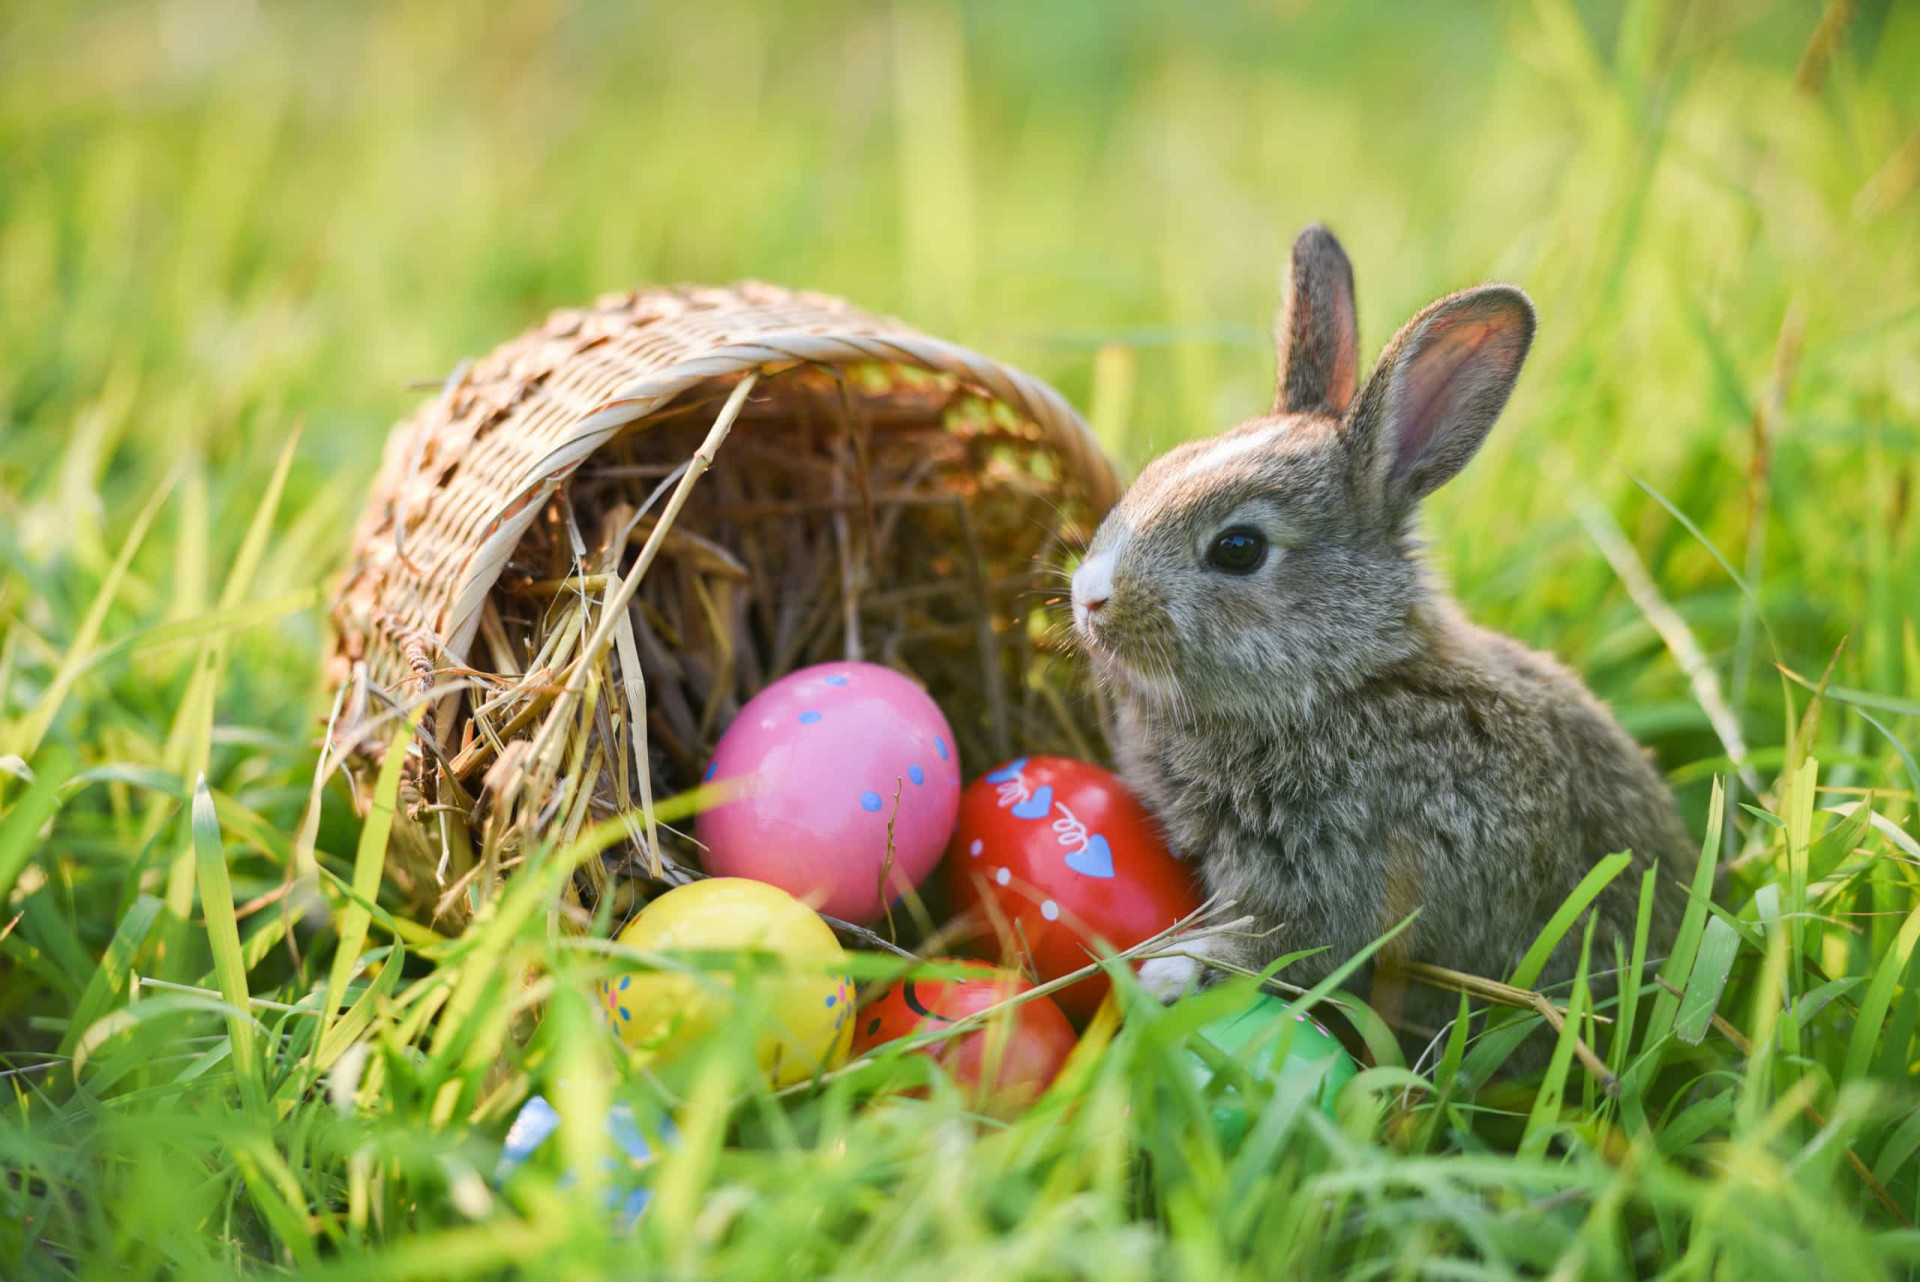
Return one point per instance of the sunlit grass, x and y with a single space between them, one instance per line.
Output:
235 236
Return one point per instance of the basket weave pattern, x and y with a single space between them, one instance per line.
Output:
516 436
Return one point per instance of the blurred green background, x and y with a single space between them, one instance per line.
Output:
221 218
222 221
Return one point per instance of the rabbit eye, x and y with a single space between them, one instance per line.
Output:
1240 550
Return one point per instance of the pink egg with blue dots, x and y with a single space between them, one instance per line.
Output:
812 771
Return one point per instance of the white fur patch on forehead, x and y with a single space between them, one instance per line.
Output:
1233 447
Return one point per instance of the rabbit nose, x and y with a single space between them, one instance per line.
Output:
1093 582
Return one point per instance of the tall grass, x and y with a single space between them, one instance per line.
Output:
234 234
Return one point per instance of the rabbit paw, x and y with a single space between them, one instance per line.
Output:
1166 978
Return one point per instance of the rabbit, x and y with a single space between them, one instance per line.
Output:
1307 710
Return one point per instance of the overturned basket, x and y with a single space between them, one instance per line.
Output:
598 541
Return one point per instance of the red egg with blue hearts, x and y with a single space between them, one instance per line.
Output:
839 783
1023 1048
1059 859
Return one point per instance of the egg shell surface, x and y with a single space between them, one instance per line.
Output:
808 1007
814 767
1252 1036
1021 1050
1063 856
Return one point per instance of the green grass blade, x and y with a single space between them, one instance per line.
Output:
223 936
402 928
153 1010
355 1019
26 738
1797 808
46 925
1597 879
1860 698
110 977
1900 749
1899 1149
581 1061
277 1195
1719 945
1627 1012
269 930
480 951
1679 965
1887 974
1545 1114
1894 1059
20 829
1760 1085
253 545
214 623
1700 536
369 866
1837 843
190 740
1445 1075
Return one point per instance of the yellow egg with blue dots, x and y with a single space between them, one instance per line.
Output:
804 999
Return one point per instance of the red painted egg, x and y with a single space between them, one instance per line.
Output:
1028 1044
1056 856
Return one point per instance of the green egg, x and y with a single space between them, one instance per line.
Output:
1253 1036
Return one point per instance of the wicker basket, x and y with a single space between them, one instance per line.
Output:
545 579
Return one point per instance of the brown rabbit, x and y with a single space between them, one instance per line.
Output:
1308 711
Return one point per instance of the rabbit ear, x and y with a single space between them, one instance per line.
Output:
1316 331
1436 391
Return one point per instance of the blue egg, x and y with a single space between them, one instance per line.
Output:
538 1120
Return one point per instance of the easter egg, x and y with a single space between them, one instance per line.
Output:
1252 1037
1016 1054
807 1005
628 1146
816 770
1058 856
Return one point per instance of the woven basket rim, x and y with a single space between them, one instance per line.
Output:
1062 426
469 474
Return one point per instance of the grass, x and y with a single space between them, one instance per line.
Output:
232 234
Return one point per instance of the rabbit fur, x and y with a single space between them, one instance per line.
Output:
1327 734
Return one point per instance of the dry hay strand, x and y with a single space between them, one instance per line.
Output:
600 541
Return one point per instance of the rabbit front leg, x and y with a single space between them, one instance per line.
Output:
1183 968
1193 960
